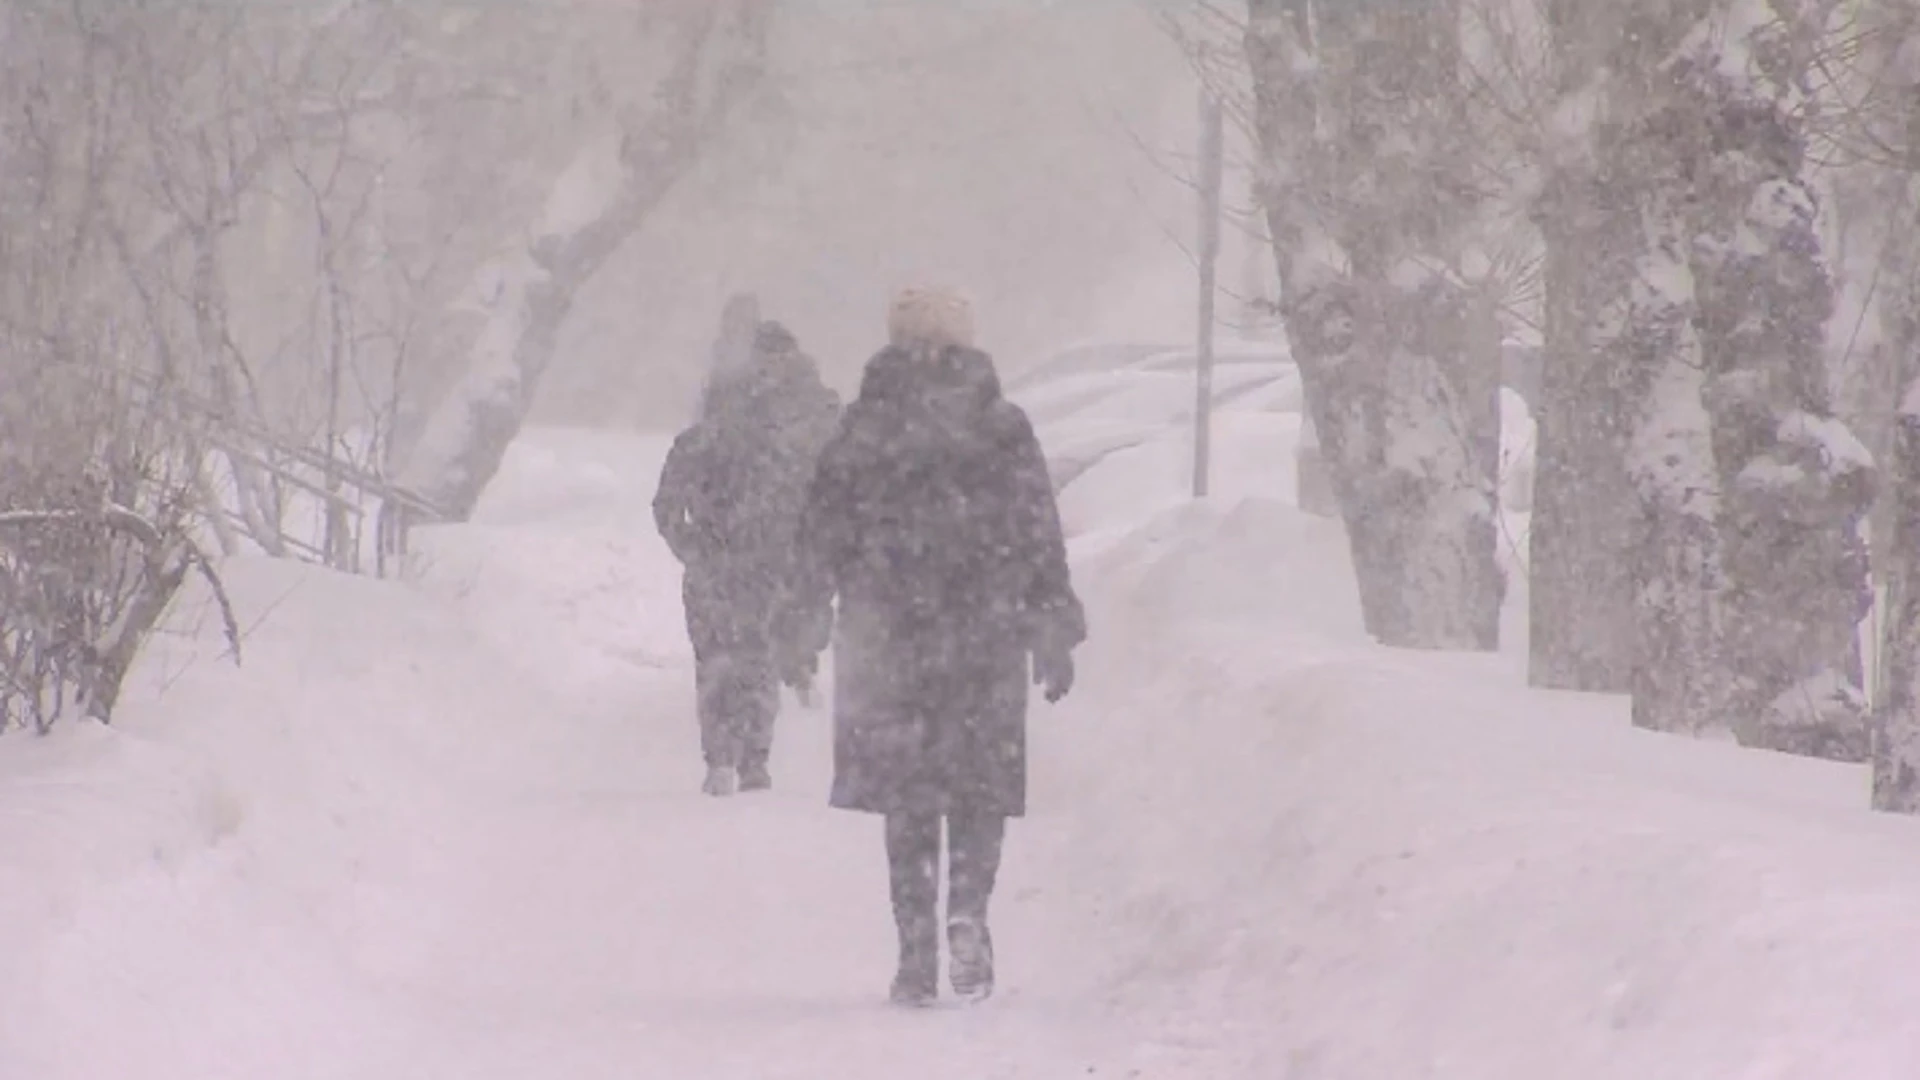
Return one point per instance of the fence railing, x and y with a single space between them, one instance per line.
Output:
324 498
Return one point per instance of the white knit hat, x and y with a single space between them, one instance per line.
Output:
930 316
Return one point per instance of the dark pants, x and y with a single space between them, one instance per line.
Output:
738 700
735 681
974 842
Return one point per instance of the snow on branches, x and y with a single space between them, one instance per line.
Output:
81 588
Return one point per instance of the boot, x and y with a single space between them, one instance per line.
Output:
974 845
722 780
753 773
970 955
913 858
916 983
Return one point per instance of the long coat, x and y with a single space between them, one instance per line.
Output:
933 521
733 486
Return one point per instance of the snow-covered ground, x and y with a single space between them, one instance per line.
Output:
449 828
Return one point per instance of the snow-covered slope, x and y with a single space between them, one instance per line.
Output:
1363 864
448 828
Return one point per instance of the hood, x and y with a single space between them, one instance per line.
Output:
925 407
778 378
897 375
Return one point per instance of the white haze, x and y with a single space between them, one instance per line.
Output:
1028 154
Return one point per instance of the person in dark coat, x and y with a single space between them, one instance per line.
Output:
933 521
728 502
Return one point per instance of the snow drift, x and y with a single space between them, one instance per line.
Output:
1353 863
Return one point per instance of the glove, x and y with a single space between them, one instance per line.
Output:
1053 672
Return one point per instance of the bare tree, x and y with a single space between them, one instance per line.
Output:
716 58
96 538
98 504
348 133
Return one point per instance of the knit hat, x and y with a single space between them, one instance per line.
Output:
929 316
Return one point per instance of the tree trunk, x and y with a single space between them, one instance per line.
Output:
1636 307
1432 491
1896 752
1382 348
1317 302
1675 549
1896 706
1895 369
466 438
257 495
1580 576
1580 579
1796 485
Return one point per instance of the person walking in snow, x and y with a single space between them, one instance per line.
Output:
729 499
932 519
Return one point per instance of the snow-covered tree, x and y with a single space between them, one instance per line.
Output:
1643 325
1795 483
1358 117
1706 296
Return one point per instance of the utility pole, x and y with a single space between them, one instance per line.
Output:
1212 153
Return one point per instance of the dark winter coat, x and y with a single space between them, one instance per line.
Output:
733 486
933 521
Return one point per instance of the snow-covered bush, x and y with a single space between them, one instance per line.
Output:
96 536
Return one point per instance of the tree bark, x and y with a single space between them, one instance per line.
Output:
1896 750
1896 707
1317 301
1580 581
1375 322
1637 309
1586 512
1675 550
1796 485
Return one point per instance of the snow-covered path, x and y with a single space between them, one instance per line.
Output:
606 925
459 835
450 829
728 931
613 916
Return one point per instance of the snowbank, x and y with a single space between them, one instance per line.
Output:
226 858
1325 859
1252 455
562 571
